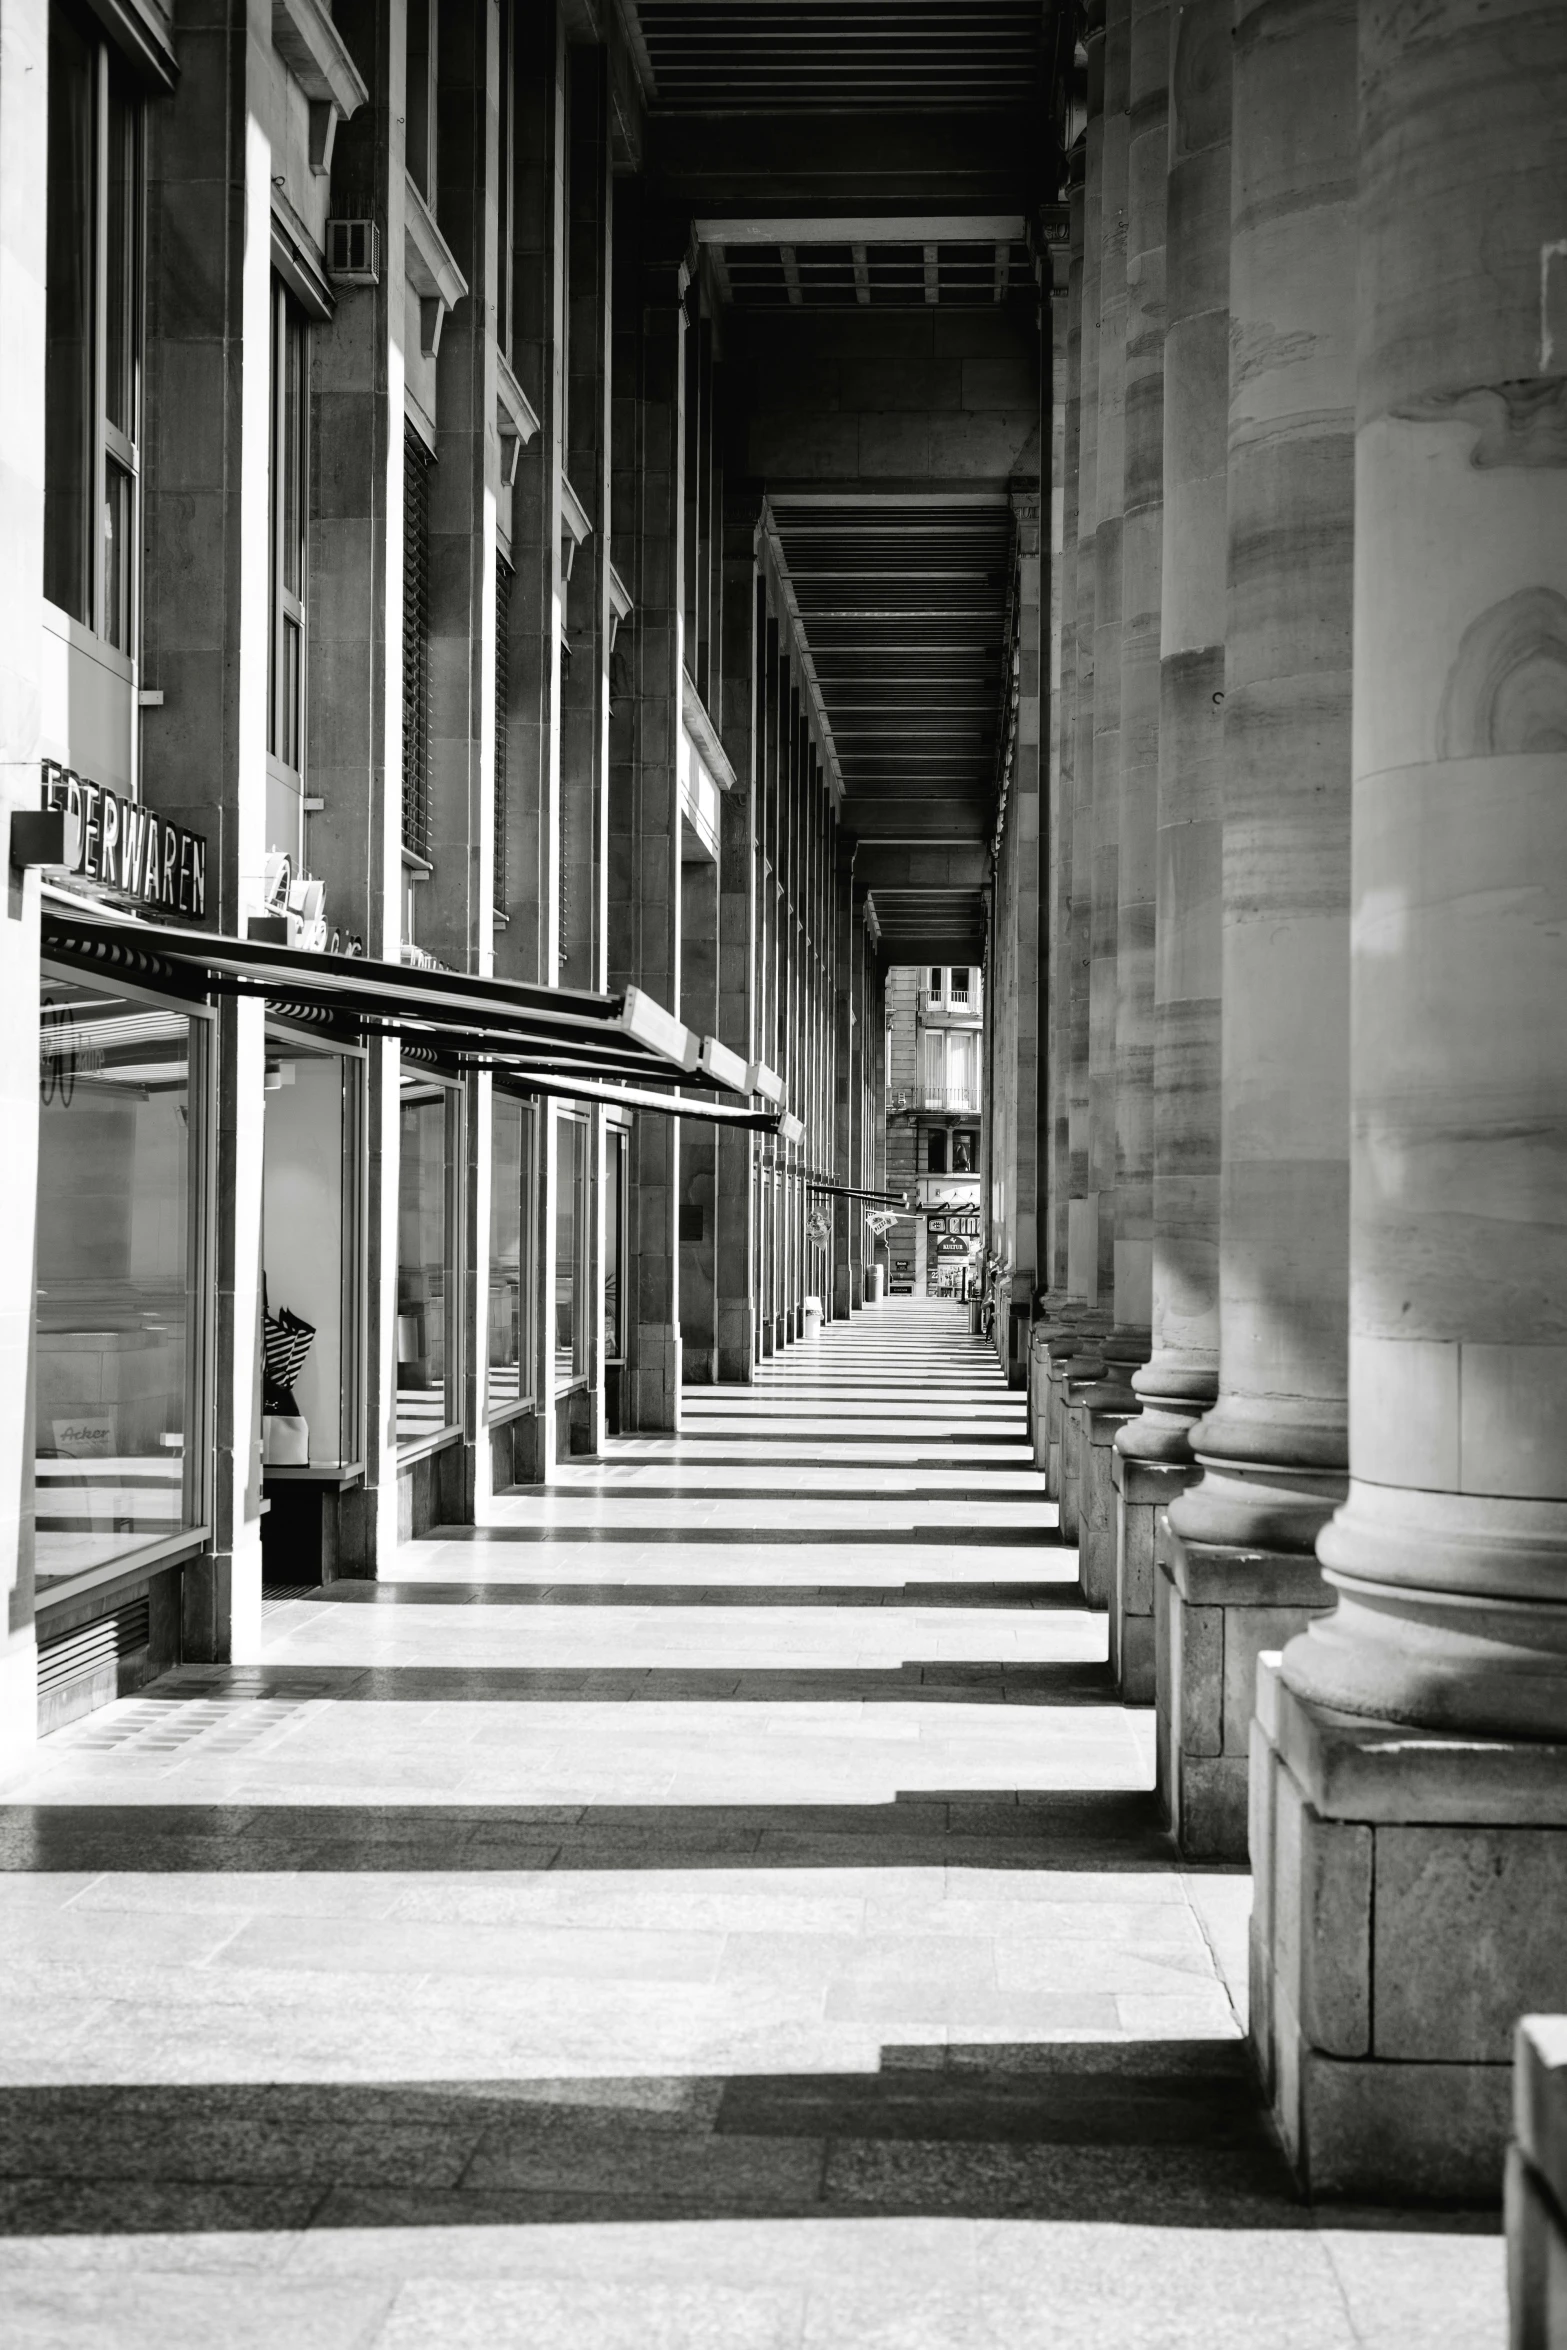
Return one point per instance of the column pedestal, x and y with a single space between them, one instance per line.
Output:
1216 1609
1097 1502
1143 1491
1407 1912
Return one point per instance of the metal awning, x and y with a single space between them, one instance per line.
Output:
563 1037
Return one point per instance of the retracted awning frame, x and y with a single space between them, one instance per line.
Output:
872 1199
560 1037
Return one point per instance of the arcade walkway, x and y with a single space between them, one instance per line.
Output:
717 1903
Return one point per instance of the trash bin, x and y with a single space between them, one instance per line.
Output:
975 1308
875 1284
813 1317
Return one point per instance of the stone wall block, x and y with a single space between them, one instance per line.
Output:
1468 1938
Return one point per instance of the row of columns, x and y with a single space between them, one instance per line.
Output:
1300 1370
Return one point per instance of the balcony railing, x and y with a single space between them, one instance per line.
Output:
952 1097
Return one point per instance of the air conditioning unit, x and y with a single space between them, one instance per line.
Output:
353 252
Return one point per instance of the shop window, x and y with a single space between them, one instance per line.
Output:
571 1226
615 1257
503 578
289 483
92 364
119 1365
428 1134
416 645
936 1161
511 1252
311 1220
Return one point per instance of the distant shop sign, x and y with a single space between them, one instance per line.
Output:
125 848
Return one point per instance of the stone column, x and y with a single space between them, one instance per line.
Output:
1181 1380
1100 1395
1272 1450
1058 1339
1410 1824
1082 1225
24 124
1141 1492
644 909
354 710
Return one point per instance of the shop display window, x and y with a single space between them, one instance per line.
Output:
429 1126
311 1222
571 1227
120 1347
615 1144
511 1252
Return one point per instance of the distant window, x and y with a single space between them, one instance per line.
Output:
419 147
965 1149
416 645
92 332
936 1160
289 486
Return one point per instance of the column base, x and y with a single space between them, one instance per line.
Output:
1097 1505
1215 1610
1074 1444
1406 1913
1143 1491
1536 2191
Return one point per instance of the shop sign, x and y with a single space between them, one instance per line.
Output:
126 848
294 913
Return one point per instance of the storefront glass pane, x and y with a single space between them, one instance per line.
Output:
511 1154
68 364
614 1245
119 1288
309 1224
426 1372
571 1166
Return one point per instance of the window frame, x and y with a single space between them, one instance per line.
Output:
527 1263
109 444
196 1491
415 1085
563 1121
290 330
353 1245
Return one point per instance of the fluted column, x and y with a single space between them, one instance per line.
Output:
1139 1494
1410 1862
1273 1447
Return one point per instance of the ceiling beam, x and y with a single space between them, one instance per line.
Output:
907 228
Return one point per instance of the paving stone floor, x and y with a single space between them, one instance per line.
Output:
716 1902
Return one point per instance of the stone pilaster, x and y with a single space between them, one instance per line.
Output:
1412 1764
645 819
736 1312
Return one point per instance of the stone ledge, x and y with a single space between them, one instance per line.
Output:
1207 1575
1350 1769
1149 1483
